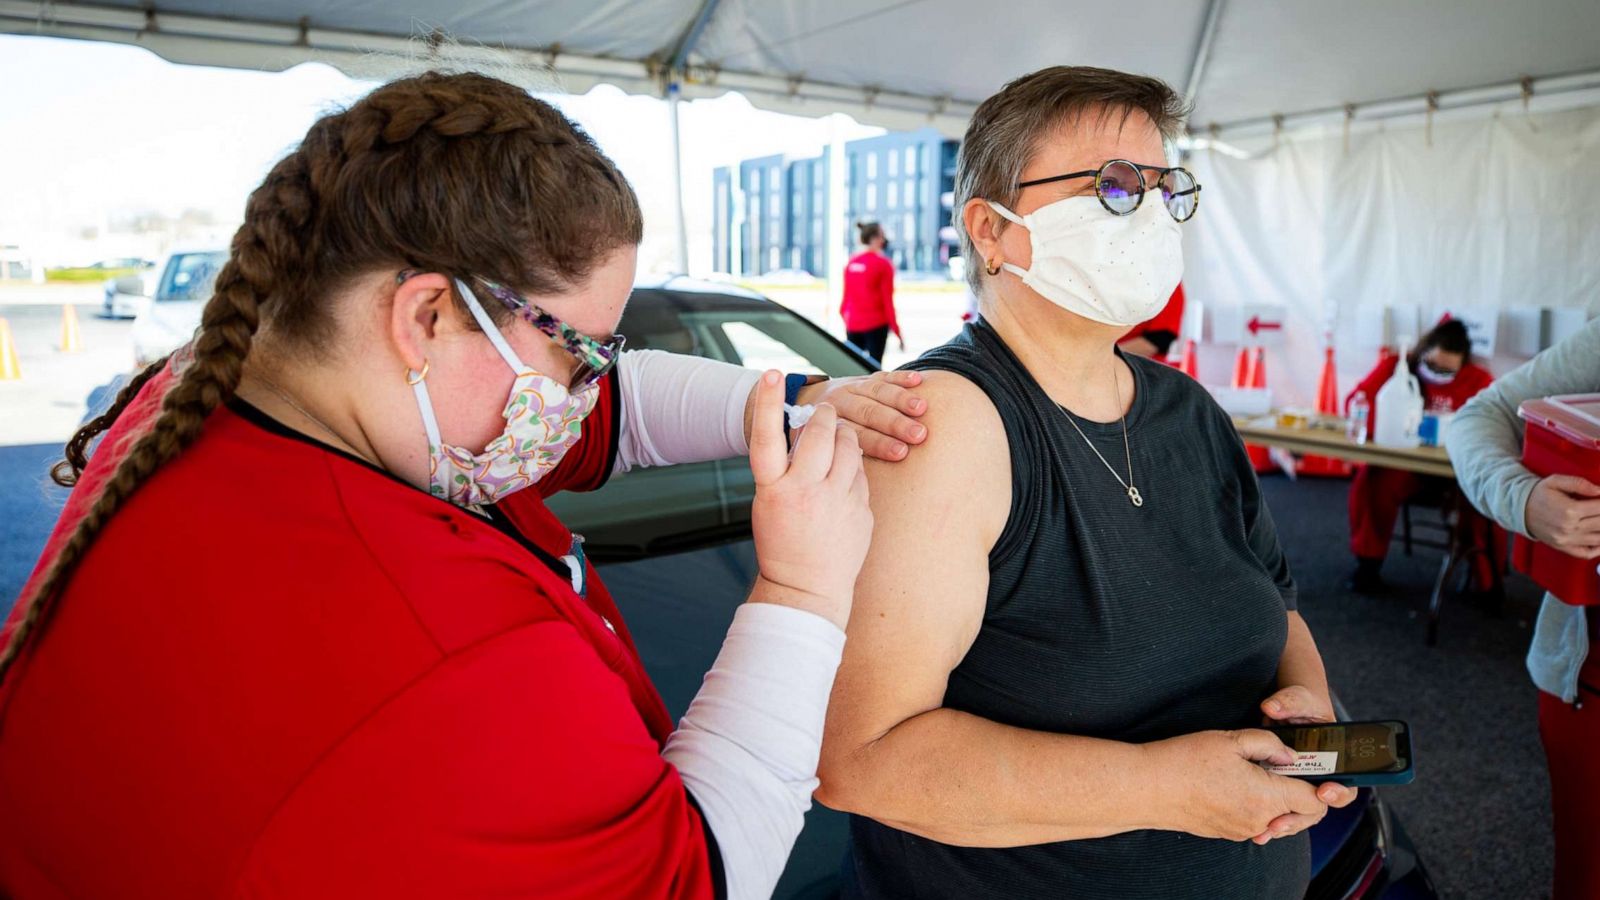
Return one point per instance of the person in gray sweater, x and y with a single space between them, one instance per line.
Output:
1563 511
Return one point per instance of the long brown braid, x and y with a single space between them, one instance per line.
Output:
66 472
462 174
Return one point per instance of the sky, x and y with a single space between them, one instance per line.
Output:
91 133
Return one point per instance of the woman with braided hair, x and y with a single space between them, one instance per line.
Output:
306 626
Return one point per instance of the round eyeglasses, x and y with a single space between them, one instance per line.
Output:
595 358
1121 186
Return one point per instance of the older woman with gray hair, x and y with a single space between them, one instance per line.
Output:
1075 613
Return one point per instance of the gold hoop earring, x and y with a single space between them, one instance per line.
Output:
991 267
416 379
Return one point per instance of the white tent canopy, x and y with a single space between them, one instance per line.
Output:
1357 215
908 63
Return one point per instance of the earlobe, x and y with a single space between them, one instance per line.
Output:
981 222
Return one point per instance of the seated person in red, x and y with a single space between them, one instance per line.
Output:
1154 338
1442 362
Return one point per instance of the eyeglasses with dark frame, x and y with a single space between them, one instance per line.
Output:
595 358
1113 183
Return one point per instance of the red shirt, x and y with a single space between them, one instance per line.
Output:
1446 397
281 672
869 293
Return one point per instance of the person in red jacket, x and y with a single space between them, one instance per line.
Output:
868 306
1442 362
1154 338
306 627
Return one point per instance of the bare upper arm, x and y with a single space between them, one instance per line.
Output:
921 595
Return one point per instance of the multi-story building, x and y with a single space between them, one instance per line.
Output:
763 237
905 181
776 215
808 215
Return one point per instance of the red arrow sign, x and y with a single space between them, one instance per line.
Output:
1257 326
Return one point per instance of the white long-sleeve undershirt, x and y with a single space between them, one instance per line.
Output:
680 409
747 749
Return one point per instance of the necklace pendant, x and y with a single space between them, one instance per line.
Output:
1134 497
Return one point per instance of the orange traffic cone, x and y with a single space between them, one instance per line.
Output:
71 340
1327 405
1241 368
1255 376
1188 362
10 369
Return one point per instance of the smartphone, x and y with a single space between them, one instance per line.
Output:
1358 754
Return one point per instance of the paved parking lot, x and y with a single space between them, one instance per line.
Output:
48 402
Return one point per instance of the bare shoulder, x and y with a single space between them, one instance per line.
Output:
964 465
964 430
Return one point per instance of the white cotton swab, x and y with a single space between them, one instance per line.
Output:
799 415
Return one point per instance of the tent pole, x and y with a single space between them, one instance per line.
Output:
1543 86
677 179
1202 50
691 36
678 68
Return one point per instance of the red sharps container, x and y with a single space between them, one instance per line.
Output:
1563 438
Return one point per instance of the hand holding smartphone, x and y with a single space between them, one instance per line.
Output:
1355 754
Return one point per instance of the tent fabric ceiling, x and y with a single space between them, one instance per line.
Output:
898 62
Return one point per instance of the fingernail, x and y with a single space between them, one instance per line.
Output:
1274 706
899 450
919 431
770 378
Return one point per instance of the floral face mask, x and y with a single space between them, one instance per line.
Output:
544 418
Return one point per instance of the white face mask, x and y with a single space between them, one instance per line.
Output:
1434 376
1119 270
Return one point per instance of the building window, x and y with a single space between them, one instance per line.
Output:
892 198
894 163
775 178
911 160
872 196
872 165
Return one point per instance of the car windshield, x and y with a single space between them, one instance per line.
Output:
647 512
189 276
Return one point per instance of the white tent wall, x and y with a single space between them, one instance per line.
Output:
1499 213
1257 240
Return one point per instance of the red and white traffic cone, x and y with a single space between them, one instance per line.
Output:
1255 376
1327 405
1188 362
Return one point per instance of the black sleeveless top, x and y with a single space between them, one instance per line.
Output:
1114 621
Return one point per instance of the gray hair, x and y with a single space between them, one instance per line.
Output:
1007 129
